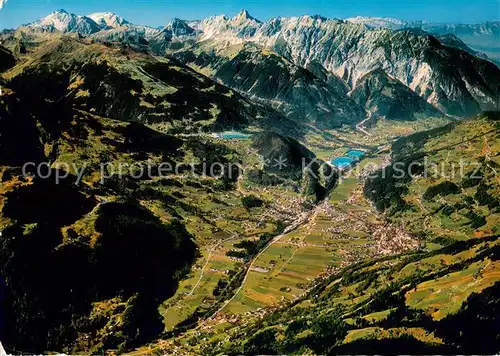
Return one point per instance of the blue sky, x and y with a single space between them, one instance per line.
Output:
159 12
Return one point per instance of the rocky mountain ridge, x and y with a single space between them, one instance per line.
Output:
481 37
453 81
243 25
449 77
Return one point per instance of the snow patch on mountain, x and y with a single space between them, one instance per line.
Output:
377 22
63 21
108 19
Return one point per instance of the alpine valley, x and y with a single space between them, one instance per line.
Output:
233 186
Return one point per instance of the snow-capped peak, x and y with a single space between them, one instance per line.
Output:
376 22
58 19
63 21
179 27
108 19
243 16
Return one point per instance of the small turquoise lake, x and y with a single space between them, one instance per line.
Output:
355 154
348 159
342 162
233 135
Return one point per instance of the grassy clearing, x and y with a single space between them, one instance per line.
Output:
445 295
343 191
380 333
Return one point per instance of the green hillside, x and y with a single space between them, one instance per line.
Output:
448 188
440 298
103 252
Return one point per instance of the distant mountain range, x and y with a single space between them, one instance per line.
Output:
480 37
314 69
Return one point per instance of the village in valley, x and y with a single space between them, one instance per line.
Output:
316 242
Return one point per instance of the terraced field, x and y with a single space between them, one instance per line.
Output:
432 292
454 195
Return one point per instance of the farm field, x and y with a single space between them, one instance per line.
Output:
288 268
382 285
344 229
219 222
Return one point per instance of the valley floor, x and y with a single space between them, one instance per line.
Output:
322 243
344 229
341 230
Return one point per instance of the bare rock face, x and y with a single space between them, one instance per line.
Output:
451 79
238 28
482 38
391 99
444 72
315 97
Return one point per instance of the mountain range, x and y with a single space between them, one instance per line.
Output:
321 62
480 37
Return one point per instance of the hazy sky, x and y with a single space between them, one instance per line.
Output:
159 12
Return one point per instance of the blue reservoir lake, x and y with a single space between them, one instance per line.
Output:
233 135
355 154
348 159
342 162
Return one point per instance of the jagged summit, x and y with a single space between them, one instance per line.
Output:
318 17
179 27
244 15
108 19
241 26
377 22
61 20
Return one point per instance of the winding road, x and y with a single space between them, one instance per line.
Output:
303 218
207 261
360 127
